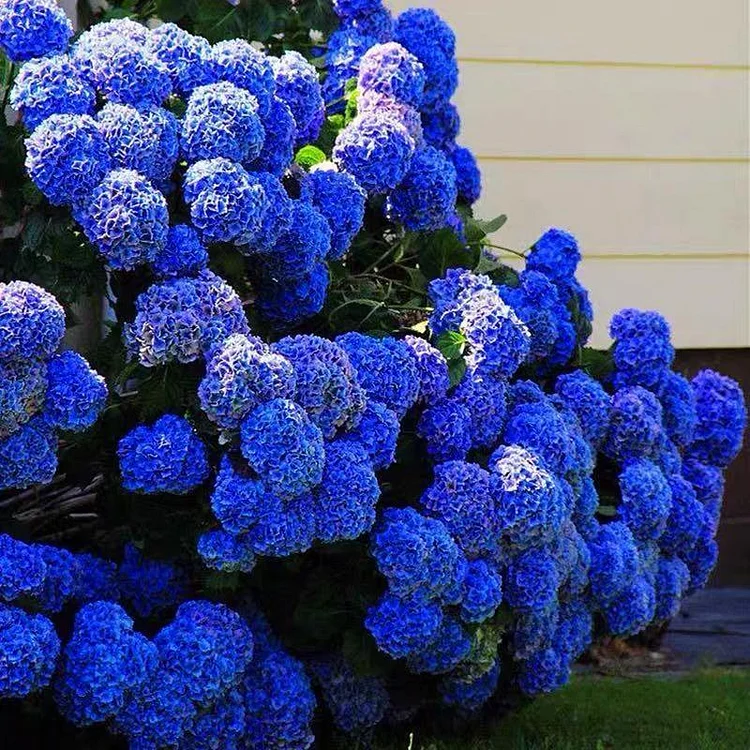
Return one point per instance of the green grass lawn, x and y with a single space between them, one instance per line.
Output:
709 709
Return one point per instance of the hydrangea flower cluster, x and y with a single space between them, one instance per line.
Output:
41 392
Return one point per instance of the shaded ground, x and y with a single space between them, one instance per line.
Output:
704 710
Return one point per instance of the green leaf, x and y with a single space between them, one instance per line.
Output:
491 225
608 511
596 363
456 371
451 345
308 156
441 250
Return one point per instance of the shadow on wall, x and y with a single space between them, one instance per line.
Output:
734 532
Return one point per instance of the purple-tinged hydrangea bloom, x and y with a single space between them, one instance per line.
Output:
167 456
23 384
126 219
298 87
284 447
28 456
590 402
341 201
22 569
446 428
221 120
376 149
183 254
32 322
426 196
67 157
385 369
403 627
327 386
391 70
643 351
432 370
370 102
469 695
483 592
281 133
356 702
183 319
646 499
450 647
33 28
460 497
102 664
29 650
149 586
188 59
76 394
348 493
635 424
288 302
722 418
226 203
237 61
468 176
377 432
50 86
243 373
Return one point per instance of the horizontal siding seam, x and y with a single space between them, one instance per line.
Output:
724 67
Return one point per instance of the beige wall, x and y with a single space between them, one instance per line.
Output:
626 123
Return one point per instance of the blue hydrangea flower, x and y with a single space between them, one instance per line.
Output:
219 728
531 580
722 418
28 456
672 579
225 552
527 499
67 157
483 592
226 204
556 255
486 400
33 28
707 480
469 695
432 41
543 672
166 456
446 429
237 61
460 497
614 561
376 149
327 386
96 43
678 408
356 702
377 432
187 59
345 49
131 143
403 627
701 559
385 369
446 652
633 609
372 103
22 569
341 201
468 176
29 650
103 662
298 87
165 129
643 350
60 580
23 384
346 9
348 493
441 124
646 499
284 447
277 218
635 424
221 120
432 370
76 394
686 518
535 630
302 245
288 302
237 500
96 580
243 373
50 86
183 319
126 219
284 528
590 402
574 630
391 70
183 254
148 585
426 196
281 134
